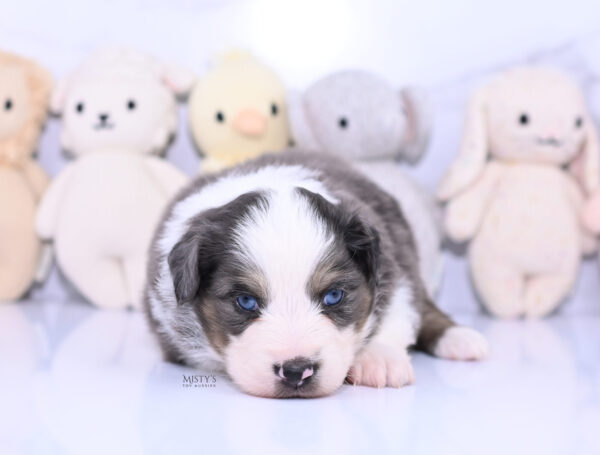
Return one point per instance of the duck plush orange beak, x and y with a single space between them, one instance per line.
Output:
250 122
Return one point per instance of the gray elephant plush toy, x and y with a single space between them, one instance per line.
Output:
363 118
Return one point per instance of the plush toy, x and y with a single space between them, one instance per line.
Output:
24 93
237 111
520 206
591 213
360 116
119 111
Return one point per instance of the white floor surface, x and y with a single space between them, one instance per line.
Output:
77 380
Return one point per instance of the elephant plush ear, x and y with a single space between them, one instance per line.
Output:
415 104
302 132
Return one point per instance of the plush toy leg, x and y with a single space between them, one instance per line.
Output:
100 280
543 293
135 273
18 260
498 283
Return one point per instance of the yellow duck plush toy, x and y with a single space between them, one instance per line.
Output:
237 112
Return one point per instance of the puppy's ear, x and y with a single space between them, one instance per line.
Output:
184 263
196 256
362 242
361 239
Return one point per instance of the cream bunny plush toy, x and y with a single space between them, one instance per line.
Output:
119 112
237 111
591 213
361 117
24 94
508 190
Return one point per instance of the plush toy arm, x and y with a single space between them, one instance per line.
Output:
591 213
47 212
10 153
37 178
168 176
588 242
465 211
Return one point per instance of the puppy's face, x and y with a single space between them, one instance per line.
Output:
283 286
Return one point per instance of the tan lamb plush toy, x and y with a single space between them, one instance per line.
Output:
119 111
519 206
237 111
24 93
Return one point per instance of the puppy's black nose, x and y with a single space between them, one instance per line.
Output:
296 372
103 117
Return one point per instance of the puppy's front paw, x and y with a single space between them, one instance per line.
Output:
462 343
381 366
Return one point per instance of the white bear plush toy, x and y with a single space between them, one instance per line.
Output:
119 113
360 116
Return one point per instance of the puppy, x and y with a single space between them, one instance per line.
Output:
291 273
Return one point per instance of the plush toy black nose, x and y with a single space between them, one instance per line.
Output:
103 117
296 372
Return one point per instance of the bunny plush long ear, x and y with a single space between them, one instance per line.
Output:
299 123
473 150
591 159
415 103
178 79
585 168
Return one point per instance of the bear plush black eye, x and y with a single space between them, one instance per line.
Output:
578 122
8 104
79 107
220 117
524 119
343 122
131 105
274 109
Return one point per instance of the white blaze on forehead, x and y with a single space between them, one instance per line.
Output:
286 242
274 179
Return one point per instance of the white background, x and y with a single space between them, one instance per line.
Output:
446 46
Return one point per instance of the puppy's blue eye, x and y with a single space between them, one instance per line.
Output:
247 302
333 297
